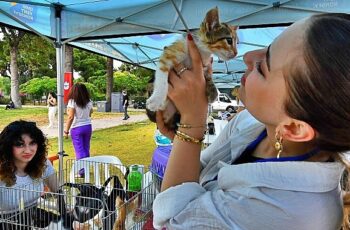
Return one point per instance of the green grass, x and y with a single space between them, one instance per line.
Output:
39 115
131 143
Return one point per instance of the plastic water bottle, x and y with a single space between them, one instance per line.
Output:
134 179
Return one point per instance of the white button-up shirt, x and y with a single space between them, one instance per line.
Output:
267 195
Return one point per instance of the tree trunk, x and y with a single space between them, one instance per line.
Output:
109 84
15 78
68 57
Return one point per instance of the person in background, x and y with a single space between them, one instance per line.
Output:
23 165
10 105
79 110
125 104
52 104
278 164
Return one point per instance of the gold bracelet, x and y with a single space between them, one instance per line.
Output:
186 126
184 137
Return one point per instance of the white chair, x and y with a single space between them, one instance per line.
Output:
95 162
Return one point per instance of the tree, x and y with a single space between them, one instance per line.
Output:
89 64
98 81
142 75
4 58
5 85
68 59
38 58
130 82
13 37
109 84
137 70
37 87
94 92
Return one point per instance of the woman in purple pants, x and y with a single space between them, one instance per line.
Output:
79 109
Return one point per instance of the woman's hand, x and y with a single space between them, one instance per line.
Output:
65 134
162 128
187 89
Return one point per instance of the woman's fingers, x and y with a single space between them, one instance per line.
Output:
172 79
197 66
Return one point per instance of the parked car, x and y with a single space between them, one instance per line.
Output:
139 105
139 102
223 102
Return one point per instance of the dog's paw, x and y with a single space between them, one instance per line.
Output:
154 104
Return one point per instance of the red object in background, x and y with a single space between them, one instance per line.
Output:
67 85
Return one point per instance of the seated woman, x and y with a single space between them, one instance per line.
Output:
23 165
10 105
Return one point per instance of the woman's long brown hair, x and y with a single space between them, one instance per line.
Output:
79 94
319 88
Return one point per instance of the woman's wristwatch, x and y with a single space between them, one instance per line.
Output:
66 132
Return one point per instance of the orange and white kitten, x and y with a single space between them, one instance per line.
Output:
213 37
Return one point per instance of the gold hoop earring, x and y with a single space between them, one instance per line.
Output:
278 145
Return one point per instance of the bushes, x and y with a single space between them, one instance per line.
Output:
139 99
4 100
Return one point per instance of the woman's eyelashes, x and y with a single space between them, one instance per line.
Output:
18 144
258 67
22 144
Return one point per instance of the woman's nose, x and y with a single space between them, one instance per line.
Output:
28 148
251 57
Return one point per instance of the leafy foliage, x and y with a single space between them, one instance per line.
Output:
99 82
89 64
94 92
4 57
137 70
132 83
37 58
5 85
37 87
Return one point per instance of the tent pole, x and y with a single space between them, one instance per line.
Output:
59 62
180 15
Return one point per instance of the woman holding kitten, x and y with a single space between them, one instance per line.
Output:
277 164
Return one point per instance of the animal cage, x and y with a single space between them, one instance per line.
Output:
93 195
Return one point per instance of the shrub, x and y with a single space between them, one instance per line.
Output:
4 100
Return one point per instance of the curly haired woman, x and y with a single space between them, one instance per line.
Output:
23 166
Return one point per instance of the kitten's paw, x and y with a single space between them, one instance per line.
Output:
154 104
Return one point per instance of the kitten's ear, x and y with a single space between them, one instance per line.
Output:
212 19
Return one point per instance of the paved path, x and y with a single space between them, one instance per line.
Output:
100 124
